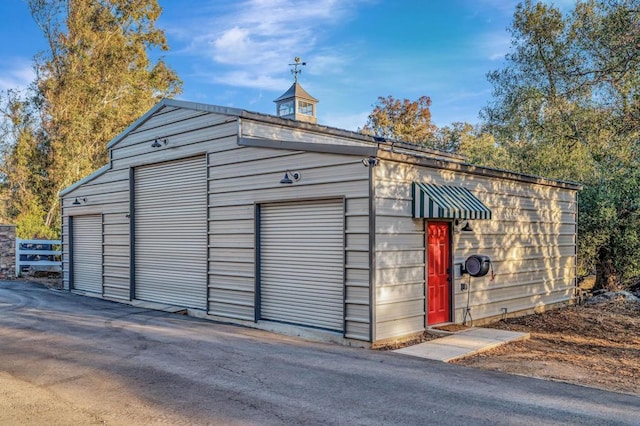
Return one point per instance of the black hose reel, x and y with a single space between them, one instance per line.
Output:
477 265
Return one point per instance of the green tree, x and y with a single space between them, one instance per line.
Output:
410 121
94 80
478 146
23 168
610 228
407 121
566 105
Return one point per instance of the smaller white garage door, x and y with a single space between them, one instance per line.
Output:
87 253
302 263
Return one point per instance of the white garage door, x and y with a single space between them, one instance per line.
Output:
302 263
87 253
171 233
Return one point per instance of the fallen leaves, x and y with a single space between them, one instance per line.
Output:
593 345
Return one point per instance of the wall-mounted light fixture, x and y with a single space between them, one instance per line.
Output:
156 143
462 225
295 177
467 227
370 161
79 201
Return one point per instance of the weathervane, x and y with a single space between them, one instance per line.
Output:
295 71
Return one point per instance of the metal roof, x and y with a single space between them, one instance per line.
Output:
296 91
399 150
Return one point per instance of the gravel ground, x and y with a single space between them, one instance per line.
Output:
596 344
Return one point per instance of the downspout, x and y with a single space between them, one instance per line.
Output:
62 272
371 162
575 251
132 234
71 254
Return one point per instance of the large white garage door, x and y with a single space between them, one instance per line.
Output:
87 253
171 233
302 263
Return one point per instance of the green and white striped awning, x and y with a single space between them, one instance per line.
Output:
446 202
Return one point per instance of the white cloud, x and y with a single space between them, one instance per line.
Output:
256 39
494 46
17 74
233 40
328 63
241 78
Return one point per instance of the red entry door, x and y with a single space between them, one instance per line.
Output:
438 266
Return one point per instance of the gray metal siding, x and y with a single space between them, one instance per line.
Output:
87 253
238 177
116 256
302 263
530 239
188 133
171 233
241 176
260 130
106 195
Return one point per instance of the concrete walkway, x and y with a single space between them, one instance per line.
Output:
462 343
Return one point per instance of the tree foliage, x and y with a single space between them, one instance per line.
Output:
95 79
473 142
610 239
567 106
410 121
402 120
24 167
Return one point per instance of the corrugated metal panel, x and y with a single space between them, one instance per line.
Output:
189 141
87 253
171 233
303 161
182 125
116 287
258 129
302 263
109 181
530 239
340 175
167 117
235 184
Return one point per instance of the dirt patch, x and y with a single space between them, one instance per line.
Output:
27 404
430 334
454 328
596 345
424 337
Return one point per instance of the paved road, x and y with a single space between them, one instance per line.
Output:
119 364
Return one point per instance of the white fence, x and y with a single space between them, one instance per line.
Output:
38 255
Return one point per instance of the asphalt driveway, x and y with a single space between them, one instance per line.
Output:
117 364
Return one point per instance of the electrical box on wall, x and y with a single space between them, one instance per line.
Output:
458 270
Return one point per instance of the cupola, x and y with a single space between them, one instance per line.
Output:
296 103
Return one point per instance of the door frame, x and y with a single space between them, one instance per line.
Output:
257 209
450 270
71 267
131 215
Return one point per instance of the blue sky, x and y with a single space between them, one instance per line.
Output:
236 53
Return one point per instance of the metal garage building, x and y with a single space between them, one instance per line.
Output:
291 226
